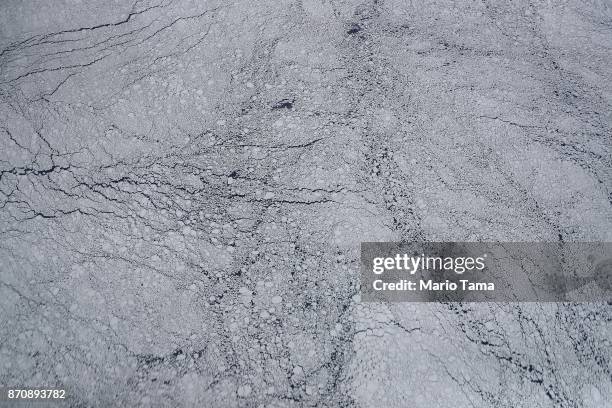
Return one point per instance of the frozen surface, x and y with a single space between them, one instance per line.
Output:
184 187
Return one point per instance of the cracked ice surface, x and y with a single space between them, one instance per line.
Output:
184 187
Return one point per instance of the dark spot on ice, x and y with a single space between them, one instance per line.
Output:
355 28
284 104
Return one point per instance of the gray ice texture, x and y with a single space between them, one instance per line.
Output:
184 186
